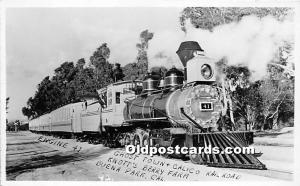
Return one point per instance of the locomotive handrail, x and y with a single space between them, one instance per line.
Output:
156 91
189 118
146 119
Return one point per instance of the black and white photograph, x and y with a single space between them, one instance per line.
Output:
139 92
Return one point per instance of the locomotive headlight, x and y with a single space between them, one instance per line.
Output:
206 71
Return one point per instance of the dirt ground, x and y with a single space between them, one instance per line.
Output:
35 157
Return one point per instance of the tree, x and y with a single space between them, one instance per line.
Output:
142 57
80 64
243 100
53 92
209 17
103 69
70 83
236 78
132 71
85 84
276 90
247 103
138 69
27 112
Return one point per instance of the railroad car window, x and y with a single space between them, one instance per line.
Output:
118 94
109 98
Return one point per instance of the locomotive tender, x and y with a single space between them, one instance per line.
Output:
181 109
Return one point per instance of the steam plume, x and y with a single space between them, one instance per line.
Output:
252 42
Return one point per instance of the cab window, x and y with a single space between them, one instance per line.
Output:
109 98
118 100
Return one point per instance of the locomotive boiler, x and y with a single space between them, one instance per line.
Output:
196 104
190 106
180 109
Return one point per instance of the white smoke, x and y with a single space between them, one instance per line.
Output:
252 42
163 47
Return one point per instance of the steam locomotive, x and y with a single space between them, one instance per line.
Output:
181 109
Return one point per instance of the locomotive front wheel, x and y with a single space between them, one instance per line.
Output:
145 140
197 159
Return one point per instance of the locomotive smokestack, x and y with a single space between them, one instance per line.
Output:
186 52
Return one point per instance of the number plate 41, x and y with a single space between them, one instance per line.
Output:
206 106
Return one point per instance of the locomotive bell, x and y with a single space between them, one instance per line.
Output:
161 83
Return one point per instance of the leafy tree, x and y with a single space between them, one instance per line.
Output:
247 105
277 89
142 58
259 104
132 71
27 112
80 64
138 69
209 17
103 69
85 84
53 93
278 96
71 83
243 101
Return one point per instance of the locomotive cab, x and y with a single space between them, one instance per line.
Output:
113 97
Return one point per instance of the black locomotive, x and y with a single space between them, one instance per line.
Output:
181 109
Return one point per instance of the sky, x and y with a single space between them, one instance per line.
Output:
38 40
